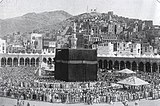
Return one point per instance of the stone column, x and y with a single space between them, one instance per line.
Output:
151 68
0 62
158 68
12 62
5 62
119 66
102 64
24 61
144 67
18 62
137 66
107 65
29 62
124 65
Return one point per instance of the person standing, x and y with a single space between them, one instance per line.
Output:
136 103
28 104
18 102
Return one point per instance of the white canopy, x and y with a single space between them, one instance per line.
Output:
126 71
43 65
38 71
115 85
47 69
133 80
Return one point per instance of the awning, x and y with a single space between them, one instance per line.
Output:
133 80
126 71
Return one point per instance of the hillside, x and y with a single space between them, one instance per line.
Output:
31 21
55 20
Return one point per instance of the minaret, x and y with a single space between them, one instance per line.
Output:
74 39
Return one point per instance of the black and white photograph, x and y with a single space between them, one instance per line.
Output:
79 52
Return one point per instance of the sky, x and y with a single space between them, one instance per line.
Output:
140 9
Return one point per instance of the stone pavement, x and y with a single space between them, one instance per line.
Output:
12 102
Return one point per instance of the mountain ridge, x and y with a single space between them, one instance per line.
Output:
30 21
52 20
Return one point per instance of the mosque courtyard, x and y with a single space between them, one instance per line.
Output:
13 102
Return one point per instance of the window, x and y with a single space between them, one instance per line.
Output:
46 43
145 49
138 50
33 38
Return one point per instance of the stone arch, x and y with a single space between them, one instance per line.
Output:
116 65
105 64
27 62
9 61
128 65
37 62
141 66
148 67
122 65
100 64
3 61
44 60
134 66
110 65
154 67
158 68
33 62
22 61
15 61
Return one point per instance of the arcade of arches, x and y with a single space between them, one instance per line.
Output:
133 65
33 62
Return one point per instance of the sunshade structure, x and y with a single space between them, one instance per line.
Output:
38 71
115 85
47 69
126 71
133 81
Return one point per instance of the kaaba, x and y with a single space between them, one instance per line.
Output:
76 65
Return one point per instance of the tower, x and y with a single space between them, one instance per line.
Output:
74 39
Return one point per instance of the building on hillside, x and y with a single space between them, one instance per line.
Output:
87 40
147 49
123 48
67 31
73 39
26 44
135 49
128 48
95 30
106 48
95 39
109 38
63 41
48 45
80 40
2 46
112 27
135 28
147 24
36 41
